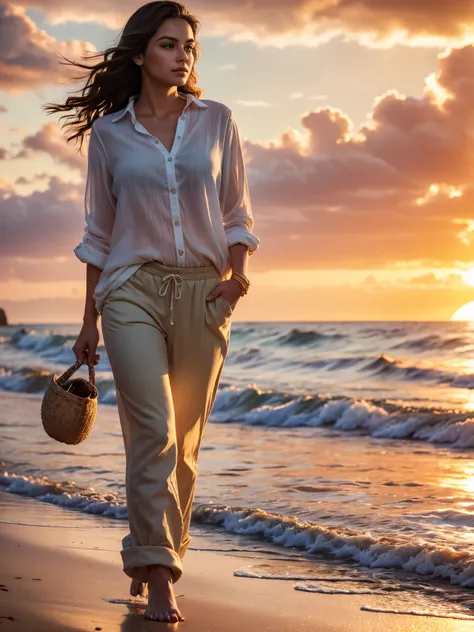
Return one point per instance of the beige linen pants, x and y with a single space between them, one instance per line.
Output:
166 346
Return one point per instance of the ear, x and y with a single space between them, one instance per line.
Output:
138 59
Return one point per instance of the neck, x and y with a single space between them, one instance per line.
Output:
158 100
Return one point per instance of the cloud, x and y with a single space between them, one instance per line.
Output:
426 279
50 140
3 109
37 177
5 188
41 225
29 57
255 104
40 270
398 188
373 22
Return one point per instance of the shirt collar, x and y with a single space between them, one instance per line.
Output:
190 98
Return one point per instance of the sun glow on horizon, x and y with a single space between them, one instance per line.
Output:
468 277
465 312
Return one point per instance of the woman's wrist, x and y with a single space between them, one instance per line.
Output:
242 280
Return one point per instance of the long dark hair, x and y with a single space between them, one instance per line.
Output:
112 81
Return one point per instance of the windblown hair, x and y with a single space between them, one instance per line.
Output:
112 81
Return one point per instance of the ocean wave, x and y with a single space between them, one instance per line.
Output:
436 342
301 337
364 549
247 355
387 366
379 419
369 551
273 408
36 380
54 347
441 517
66 494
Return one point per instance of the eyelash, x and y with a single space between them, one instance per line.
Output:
188 46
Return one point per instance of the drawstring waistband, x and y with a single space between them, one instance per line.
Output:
178 282
176 276
160 269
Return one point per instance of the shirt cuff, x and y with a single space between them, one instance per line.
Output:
87 254
239 235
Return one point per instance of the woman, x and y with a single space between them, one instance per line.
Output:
167 238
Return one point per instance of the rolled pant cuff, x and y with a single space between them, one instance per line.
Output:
136 559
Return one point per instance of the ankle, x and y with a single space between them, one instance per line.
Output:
159 570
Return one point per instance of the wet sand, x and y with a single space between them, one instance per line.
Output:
68 577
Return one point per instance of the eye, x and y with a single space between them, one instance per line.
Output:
190 46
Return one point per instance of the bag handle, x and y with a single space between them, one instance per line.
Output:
72 369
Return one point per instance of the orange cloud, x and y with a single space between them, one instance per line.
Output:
331 197
29 57
356 195
298 21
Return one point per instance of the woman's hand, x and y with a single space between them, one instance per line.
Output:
86 343
229 289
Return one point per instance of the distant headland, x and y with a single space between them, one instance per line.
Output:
3 318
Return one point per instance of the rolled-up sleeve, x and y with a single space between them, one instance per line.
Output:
99 204
234 192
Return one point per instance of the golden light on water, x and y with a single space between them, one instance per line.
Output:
468 483
460 478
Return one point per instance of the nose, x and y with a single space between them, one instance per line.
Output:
183 55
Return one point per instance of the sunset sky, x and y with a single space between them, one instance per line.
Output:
358 120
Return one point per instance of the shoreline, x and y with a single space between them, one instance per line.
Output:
72 580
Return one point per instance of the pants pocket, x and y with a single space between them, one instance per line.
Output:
227 304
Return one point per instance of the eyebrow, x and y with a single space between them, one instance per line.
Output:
175 39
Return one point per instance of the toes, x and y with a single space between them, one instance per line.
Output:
176 616
166 617
152 616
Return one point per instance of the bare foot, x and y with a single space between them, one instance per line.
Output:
162 604
138 588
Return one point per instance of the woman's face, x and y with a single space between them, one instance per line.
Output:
171 47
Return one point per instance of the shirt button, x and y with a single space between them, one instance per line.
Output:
180 252
173 190
182 118
179 137
177 222
170 159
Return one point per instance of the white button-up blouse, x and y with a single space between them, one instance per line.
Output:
183 207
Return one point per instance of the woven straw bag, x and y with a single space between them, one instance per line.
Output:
69 406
